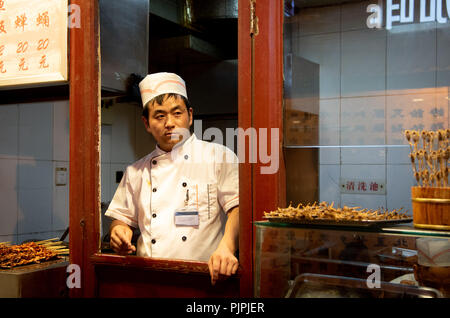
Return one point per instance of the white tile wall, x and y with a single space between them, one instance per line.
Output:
369 201
35 196
329 178
9 138
354 15
61 128
34 236
363 121
324 50
411 57
363 172
36 131
443 56
363 155
114 168
107 116
398 155
363 63
106 182
398 188
34 141
329 133
106 139
319 20
8 196
123 133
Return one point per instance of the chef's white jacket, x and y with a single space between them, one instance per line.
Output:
155 187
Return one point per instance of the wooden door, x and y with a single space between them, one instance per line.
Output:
260 83
260 71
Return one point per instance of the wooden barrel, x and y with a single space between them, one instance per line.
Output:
431 207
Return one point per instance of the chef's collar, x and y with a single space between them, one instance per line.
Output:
178 147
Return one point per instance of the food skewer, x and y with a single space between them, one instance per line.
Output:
48 240
430 154
32 252
323 211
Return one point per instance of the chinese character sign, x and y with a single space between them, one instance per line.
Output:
33 41
363 186
425 109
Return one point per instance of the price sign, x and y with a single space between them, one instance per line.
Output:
33 42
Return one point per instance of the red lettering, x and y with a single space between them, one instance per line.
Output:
21 21
43 44
2 27
22 47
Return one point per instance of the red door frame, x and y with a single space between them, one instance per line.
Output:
260 74
84 198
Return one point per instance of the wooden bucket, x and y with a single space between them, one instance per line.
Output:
431 207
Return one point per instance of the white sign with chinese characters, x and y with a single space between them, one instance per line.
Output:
363 186
33 42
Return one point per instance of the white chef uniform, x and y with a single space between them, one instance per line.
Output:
155 187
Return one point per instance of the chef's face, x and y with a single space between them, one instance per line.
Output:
168 122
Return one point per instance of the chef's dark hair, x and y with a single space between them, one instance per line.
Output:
160 99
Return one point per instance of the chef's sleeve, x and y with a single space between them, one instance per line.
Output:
228 180
122 206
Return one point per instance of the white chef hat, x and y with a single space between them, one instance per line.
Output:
161 83
433 251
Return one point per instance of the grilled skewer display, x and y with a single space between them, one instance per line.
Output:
30 253
324 211
430 158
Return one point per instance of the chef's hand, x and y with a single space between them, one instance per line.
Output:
222 262
121 235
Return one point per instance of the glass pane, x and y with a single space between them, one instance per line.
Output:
357 75
286 254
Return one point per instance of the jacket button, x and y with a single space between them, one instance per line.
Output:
154 189
184 184
154 162
154 215
186 157
153 241
184 238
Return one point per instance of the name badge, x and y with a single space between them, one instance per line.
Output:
186 218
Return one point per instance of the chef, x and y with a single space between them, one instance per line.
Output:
183 196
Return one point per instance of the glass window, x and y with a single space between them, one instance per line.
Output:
357 75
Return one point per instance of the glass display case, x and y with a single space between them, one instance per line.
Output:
348 260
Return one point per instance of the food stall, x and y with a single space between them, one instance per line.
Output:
33 79
334 198
90 68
